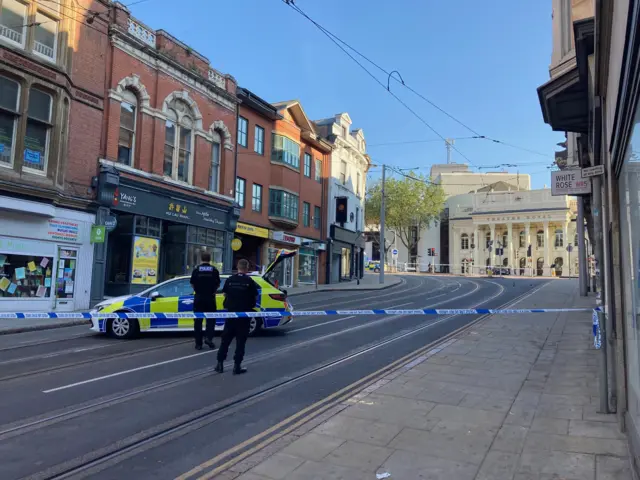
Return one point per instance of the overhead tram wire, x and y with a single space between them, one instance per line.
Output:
401 82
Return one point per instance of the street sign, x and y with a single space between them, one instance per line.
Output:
97 234
593 171
569 182
394 252
569 248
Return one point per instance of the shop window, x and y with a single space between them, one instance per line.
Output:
178 143
66 277
9 108
306 212
203 239
36 138
148 226
26 276
283 205
126 139
307 266
16 17
284 150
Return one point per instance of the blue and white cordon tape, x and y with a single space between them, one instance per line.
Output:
296 313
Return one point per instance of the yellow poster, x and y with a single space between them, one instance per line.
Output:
32 266
144 268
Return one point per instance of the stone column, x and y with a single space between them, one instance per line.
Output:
492 247
527 240
510 246
565 254
547 260
476 249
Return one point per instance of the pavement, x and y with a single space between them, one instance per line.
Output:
511 397
153 408
369 282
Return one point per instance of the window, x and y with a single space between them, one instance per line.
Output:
126 138
488 239
318 171
505 240
25 276
45 36
357 218
36 138
345 132
540 238
317 218
307 165
283 205
9 99
151 227
306 212
178 143
175 288
559 243
522 239
285 150
343 172
464 241
256 198
258 140
16 17
240 189
243 128
358 184
214 181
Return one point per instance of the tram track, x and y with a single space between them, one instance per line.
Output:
88 464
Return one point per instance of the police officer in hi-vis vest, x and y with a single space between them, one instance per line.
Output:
205 281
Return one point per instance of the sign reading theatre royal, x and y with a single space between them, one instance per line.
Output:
151 205
569 182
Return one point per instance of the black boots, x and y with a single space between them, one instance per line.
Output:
210 344
238 370
219 367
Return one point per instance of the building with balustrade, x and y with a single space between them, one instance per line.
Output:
524 233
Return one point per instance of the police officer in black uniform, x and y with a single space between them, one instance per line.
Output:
240 296
205 281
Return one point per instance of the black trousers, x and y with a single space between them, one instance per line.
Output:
238 328
204 305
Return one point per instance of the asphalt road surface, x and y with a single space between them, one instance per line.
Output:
77 405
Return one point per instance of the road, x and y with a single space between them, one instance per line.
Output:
78 405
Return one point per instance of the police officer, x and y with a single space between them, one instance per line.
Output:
205 281
240 296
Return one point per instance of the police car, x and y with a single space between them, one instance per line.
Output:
176 296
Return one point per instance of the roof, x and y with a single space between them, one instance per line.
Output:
498 187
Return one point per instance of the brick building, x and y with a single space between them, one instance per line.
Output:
169 136
52 73
281 188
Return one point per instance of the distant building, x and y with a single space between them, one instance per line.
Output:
347 186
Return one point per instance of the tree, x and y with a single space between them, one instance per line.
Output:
412 204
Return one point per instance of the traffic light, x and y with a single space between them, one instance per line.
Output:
429 252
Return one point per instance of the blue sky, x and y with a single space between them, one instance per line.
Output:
479 61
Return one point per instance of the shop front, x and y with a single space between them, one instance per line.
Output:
248 244
46 257
346 255
286 271
159 237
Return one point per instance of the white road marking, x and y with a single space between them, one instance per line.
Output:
55 354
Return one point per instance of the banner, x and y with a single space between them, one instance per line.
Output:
144 266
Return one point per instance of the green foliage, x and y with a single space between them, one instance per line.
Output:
410 202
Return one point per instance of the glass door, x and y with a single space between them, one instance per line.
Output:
66 278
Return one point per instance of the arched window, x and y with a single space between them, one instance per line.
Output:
522 239
127 137
464 241
540 238
214 180
559 238
178 143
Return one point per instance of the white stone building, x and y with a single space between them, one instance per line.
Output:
347 185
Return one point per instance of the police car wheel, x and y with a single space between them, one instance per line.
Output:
255 325
123 328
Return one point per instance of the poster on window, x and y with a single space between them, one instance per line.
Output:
144 267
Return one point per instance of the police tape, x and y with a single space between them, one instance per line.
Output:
295 313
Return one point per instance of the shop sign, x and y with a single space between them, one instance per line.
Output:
246 229
144 267
151 205
569 182
286 238
97 233
110 223
63 230
236 244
